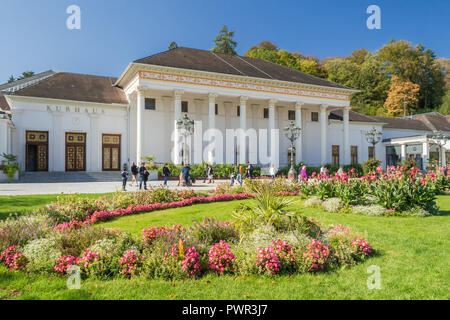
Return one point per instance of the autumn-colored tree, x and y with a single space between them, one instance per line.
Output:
402 97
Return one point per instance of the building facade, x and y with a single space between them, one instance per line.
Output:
58 121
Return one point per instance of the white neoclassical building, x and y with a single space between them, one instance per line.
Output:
58 121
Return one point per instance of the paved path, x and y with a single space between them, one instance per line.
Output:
84 187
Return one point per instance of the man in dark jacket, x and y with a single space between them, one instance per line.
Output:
186 173
134 173
142 170
166 173
249 170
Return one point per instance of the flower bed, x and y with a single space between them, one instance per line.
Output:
178 253
397 190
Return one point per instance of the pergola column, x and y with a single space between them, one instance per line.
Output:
298 123
212 121
403 154
443 156
425 155
274 156
243 126
139 124
346 135
323 133
177 116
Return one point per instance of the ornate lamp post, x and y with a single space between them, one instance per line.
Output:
292 132
373 136
186 126
440 139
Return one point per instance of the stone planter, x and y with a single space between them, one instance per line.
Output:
5 178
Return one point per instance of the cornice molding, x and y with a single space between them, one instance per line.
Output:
280 87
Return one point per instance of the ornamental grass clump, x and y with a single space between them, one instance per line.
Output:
211 231
17 231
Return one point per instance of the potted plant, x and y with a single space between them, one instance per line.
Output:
152 167
9 167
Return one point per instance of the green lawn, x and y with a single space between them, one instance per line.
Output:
24 204
413 258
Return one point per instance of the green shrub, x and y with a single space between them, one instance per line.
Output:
371 210
332 204
210 231
42 254
371 165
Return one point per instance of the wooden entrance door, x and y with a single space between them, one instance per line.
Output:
111 152
36 150
75 151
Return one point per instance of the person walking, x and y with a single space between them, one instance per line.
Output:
272 172
241 172
166 173
186 174
206 173
124 175
323 172
249 170
142 170
303 175
134 173
146 175
232 179
340 172
210 174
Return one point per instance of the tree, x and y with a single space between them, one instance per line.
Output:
445 107
11 79
26 74
402 96
269 51
445 64
224 42
365 74
417 65
173 45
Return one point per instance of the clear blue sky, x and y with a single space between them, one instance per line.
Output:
113 33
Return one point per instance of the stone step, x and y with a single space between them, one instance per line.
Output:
58 177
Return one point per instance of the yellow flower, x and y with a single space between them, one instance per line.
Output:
180 249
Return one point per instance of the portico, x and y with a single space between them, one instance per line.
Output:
222 102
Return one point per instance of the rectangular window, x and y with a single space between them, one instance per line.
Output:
335 155
184 106
266 113
217 109
371 153
291 115
314 116
238 111
354 154
150 104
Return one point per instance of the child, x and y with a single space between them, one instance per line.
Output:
124 175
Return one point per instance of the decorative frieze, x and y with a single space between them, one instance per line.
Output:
228 84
